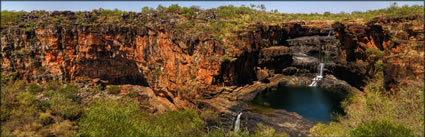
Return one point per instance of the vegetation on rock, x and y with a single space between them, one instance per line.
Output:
216 21
61 113
58 108
114 89
379 113
379 129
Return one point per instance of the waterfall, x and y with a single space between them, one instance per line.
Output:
238 122
321 65
329 34
319 77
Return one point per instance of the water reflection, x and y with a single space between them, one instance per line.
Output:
312 103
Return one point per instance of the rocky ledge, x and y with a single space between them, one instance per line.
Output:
230 101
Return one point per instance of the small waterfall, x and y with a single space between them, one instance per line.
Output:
319 77
329 34
237 122
321 66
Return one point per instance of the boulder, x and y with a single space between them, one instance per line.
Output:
262 74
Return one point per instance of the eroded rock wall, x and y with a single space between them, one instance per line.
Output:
116 54
400 38
174 63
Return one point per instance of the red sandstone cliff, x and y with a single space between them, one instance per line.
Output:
181 65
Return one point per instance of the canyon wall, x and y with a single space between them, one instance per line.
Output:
401 39
176 64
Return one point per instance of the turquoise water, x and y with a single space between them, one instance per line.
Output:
312 103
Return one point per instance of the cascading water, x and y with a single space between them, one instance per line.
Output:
329 34
319 77
321 66
238 122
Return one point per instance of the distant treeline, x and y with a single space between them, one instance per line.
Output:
216 21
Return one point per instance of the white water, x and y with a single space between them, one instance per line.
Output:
321 66
238 122
319 77
329 34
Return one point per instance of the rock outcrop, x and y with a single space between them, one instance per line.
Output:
169 68
229 101
154 53
397 37
117 54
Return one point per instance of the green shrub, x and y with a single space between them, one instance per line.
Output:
266 131
84 80
25 111
63 128
188 12
146 10
379 66
381 129
244 132
217 133
275 42
107 117
50 93
98 88
9 100
53 85
64 106
33 40
375 52
208 115
9 17
114 89
111 118
185 123
173 8
70 91
26 99
44 105
29 29
22 52
404 108
41 70
34 88
23 114
132 95
192 76
46 118
5 110
112 13
8 76
327 13
19 85
226 57
158 73
331 129
182 26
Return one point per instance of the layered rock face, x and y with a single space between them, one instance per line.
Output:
262 47
400 38
171 69
176 64
116 54
152 55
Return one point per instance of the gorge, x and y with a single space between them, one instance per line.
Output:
242 75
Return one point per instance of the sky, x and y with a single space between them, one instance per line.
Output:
281 6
